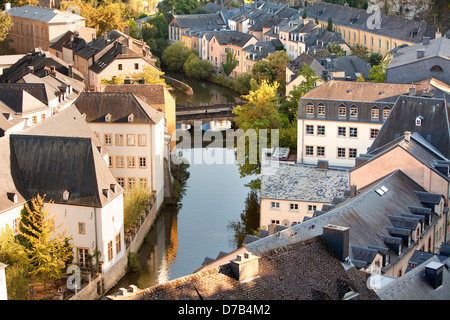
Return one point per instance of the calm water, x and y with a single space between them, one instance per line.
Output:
215 199
205 93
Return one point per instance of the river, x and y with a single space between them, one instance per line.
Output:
213 216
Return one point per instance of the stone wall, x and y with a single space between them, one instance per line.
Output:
105 281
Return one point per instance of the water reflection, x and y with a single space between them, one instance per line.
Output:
216 125
205 93
249 222
217 210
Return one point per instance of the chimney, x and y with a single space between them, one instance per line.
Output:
7 6
407 135
434 273
245 267
420 53
438 34
142 81
425 40
124 49
126 30
337 238
322 164
412 90
70 71
353 190
105 36
129 42
127 81
31 68
272 228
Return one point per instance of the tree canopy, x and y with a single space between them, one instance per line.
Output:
175 56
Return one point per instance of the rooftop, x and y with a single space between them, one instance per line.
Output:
398 28
303 183
281 276
439 47
434 124
96 105
367 215
44 14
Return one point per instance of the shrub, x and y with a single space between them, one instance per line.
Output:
134 202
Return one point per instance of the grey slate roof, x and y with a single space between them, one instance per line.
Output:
96 105
41 62
281 276
7 118
44 14
208 21
21 101
436 47
303 183
413 285
435 126
398 28
40 91
262 49
95 46
366 215
351 65
235 38
8 183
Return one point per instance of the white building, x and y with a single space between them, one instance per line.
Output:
61 159
133 132
339 120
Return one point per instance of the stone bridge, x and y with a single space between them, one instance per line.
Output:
205 114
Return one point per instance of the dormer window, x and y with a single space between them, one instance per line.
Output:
113 187
131 117
419 120
106 193
386 112
354 111
66 194
108 117
8 116
12 196
375 113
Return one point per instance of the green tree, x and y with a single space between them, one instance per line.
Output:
175 56
231 62
304 14
134 201
316 21
378 73
241 83
197 68
330 24
47 251
273 69
12 253
375 58
360 51
260 112
5 27
335 48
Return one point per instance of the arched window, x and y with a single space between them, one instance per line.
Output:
436 68
386 112
342 112
320 109
354 111
375 113
310 109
